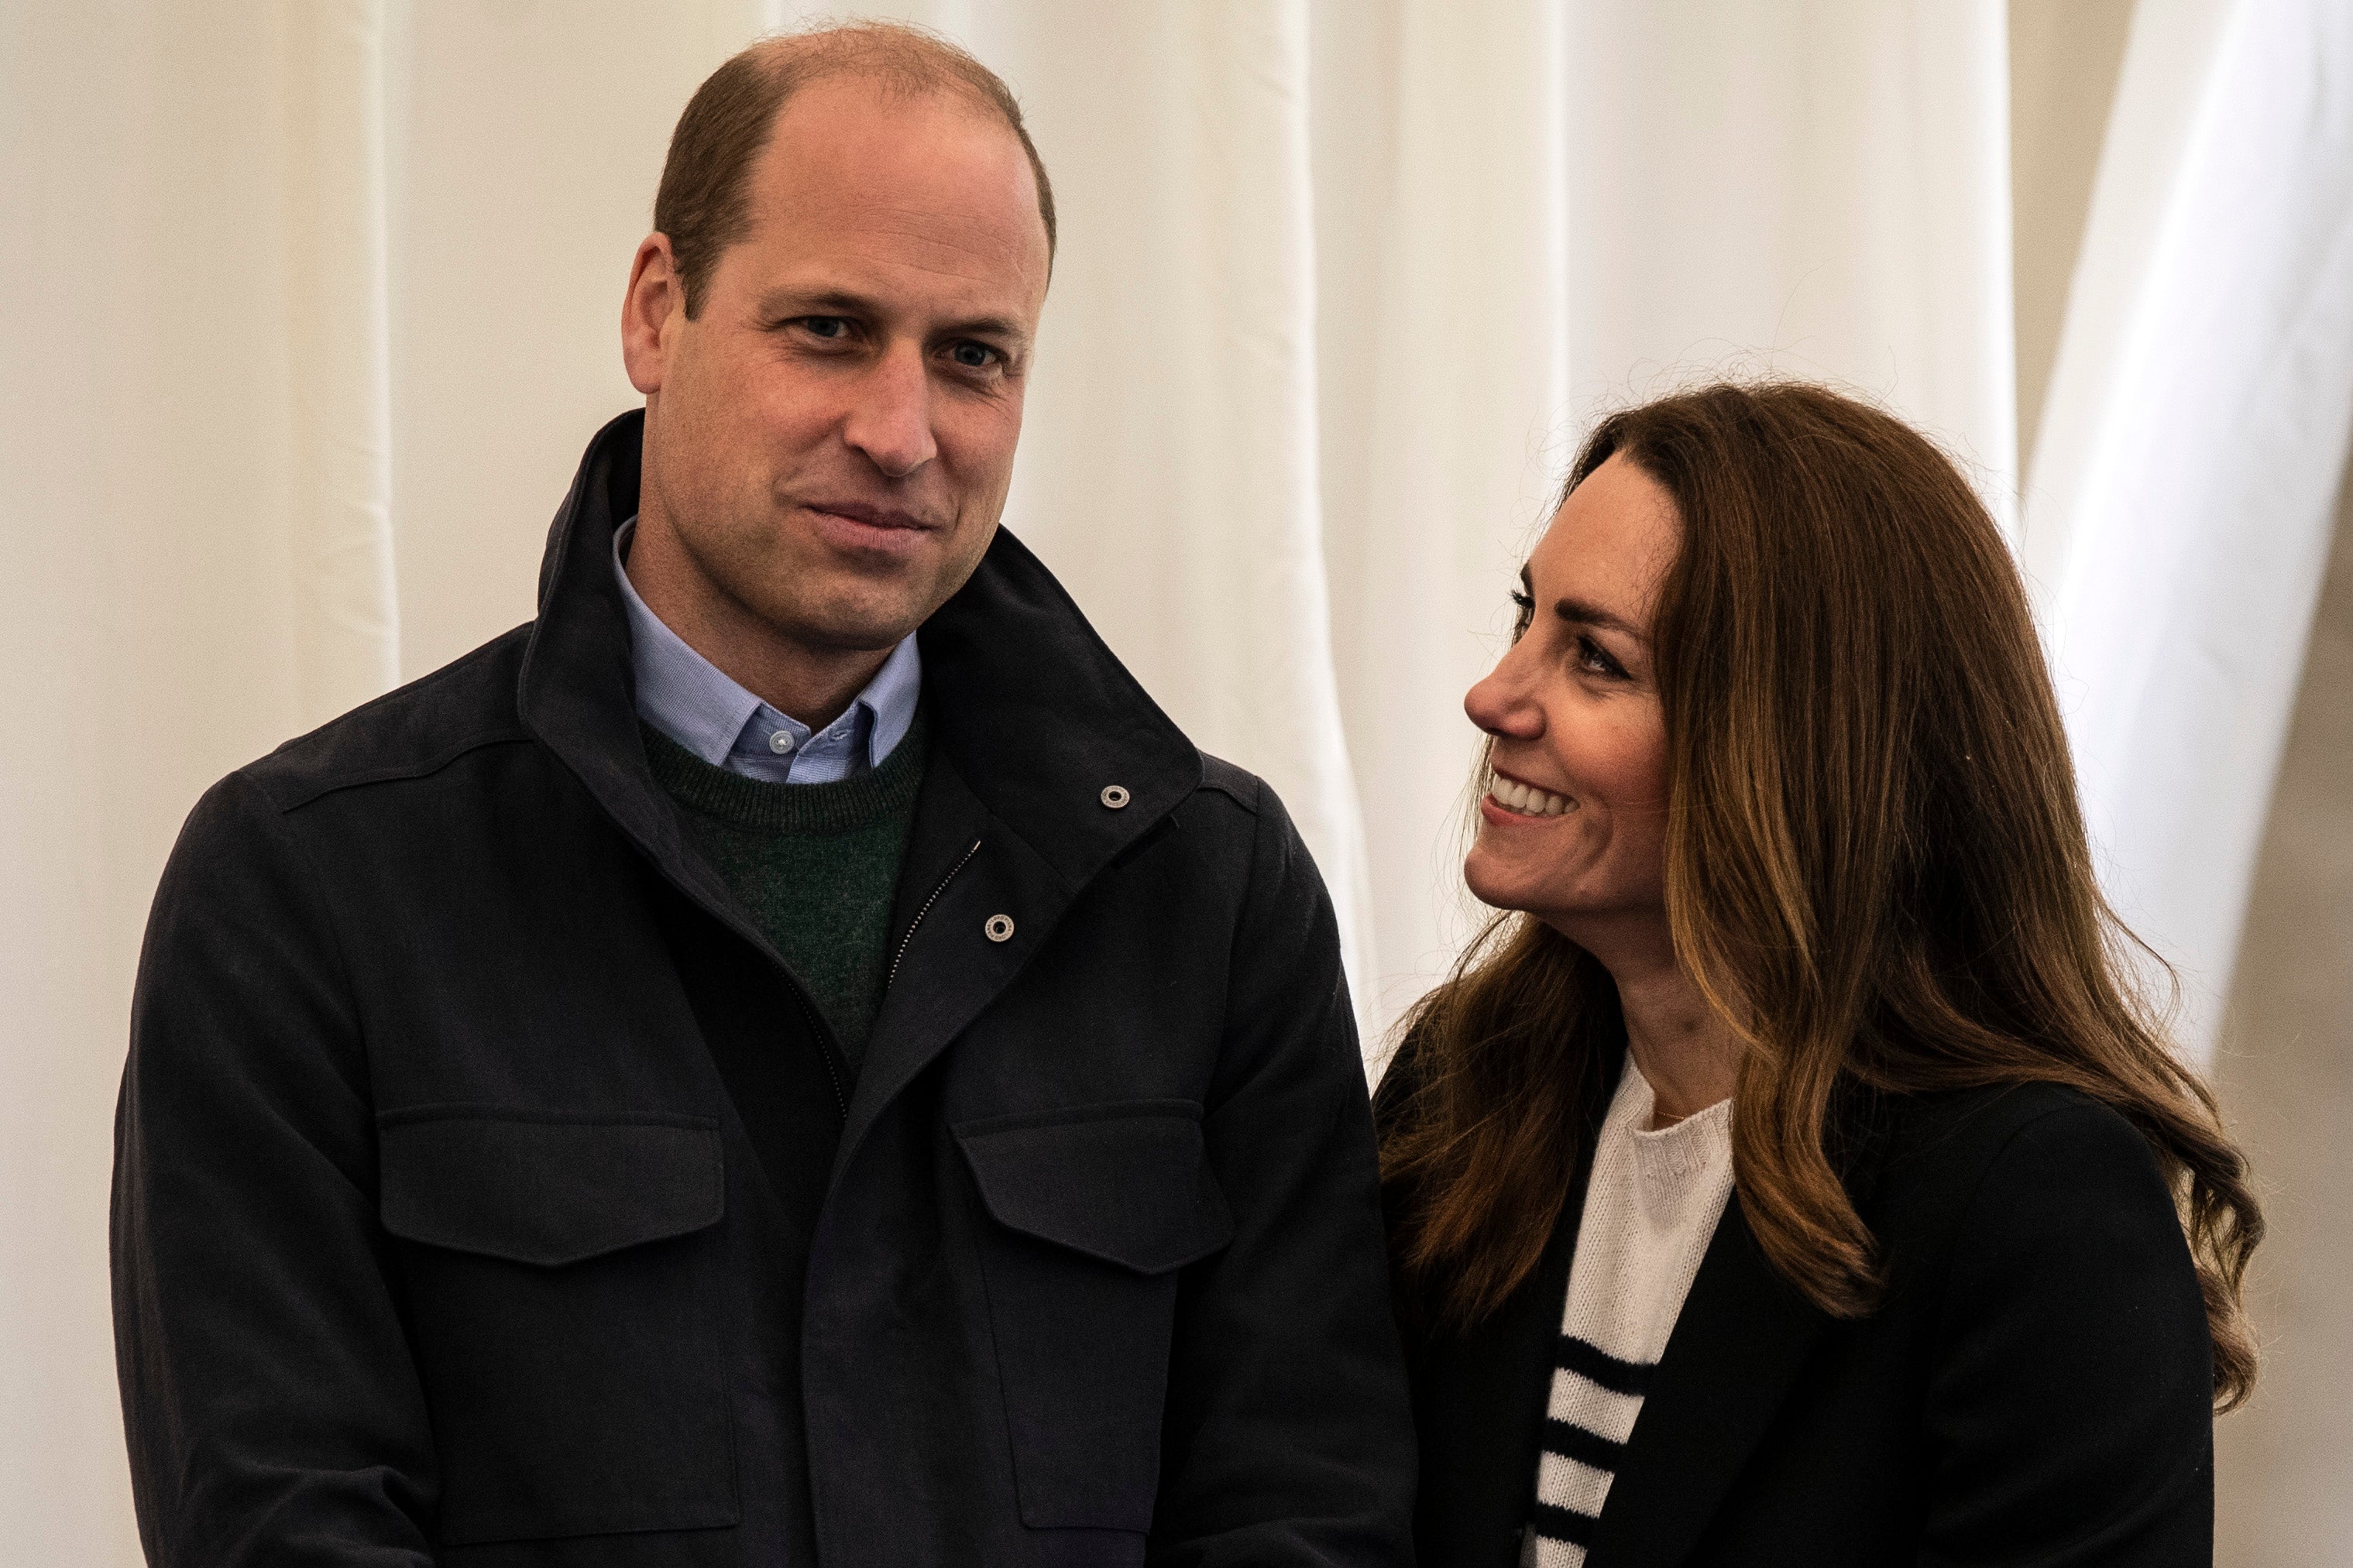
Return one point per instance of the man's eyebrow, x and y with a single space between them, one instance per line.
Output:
787 303
818 302
986 327
1585 614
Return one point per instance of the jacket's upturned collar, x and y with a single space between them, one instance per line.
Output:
1028 704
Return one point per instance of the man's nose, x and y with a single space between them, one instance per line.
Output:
891 418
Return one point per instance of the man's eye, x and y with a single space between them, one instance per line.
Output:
973 356
828 327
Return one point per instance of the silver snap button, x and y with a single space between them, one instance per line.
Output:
1114 795
998 928
781 742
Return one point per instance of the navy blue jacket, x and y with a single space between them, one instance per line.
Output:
487 1192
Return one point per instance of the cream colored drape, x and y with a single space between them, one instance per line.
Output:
313 304
2178 517
1342 280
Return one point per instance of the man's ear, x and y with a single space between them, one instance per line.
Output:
651 313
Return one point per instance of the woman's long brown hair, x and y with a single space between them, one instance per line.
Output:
1873 845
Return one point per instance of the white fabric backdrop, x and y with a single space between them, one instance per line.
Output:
316 306
1342 280
2184 493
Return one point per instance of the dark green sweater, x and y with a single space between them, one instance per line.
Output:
815 864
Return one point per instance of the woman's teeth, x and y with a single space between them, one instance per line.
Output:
1526 799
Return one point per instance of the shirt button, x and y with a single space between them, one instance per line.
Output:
1114 795
781 742
998 928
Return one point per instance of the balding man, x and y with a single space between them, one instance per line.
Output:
788 1058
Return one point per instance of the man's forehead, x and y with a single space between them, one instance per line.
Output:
891 225
855 140
928 182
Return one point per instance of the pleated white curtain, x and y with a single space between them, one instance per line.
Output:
1442 213
315 306
1169 463
193 448
2179 518
339 440
1342 281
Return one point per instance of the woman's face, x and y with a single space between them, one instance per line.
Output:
1573 823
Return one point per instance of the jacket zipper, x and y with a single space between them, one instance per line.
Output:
927 909
818 1033
832 1073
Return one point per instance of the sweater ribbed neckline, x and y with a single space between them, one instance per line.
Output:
842 805
1682 1150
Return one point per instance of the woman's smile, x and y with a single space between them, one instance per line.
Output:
1509 800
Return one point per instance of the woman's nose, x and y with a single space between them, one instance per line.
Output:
1497 706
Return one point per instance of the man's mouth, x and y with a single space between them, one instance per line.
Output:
871 516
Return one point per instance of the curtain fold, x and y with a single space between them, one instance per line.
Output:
347 615
1168 470
1441 206
2191 453
155 637
1811 187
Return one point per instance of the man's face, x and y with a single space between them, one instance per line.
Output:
831 437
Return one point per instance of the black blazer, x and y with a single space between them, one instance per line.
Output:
2036 1388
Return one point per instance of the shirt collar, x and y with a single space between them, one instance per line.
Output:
696 704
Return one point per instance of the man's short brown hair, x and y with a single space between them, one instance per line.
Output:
703 204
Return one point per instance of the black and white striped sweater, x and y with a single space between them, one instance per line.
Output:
1650 1208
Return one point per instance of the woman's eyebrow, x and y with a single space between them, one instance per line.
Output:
1584 613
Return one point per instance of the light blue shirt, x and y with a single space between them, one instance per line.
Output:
688 698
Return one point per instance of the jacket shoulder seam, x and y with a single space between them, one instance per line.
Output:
316 876
1237 784
392 773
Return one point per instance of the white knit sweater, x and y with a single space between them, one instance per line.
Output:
1650 1208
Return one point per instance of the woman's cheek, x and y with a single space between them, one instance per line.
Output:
1629 769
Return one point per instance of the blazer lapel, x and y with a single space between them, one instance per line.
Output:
1482 1401
1738 1346
1480 1397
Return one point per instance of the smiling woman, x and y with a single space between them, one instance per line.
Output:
1798 1093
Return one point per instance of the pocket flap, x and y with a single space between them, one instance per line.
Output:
1125 1184
545 1191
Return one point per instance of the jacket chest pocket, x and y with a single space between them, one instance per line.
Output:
561 1290
1095 1211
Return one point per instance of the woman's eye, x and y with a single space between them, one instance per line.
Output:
1592 656
1525 607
